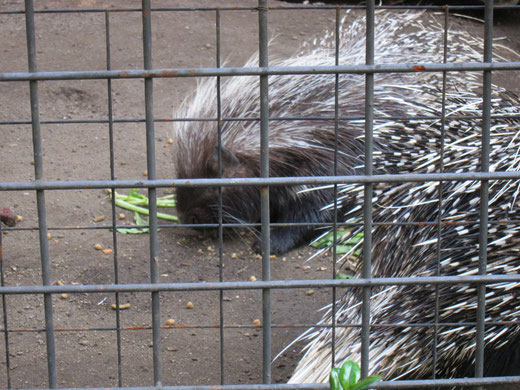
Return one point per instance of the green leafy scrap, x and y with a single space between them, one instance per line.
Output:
348 377
328 241
138 203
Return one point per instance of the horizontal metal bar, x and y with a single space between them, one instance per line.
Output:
257 119
257 181
259 71
248 8
274 284
410 384
400 325
418 224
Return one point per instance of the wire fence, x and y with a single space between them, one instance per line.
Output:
40 186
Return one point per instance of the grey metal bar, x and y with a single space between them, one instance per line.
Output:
249 119
368 190
402 384
113 200
335 211
440 194
484 190
263 61
40 194
247 8
220 221
250 326
415 223
258 181
4 316
272 284
152 191
257 71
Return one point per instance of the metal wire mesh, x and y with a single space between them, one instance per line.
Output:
40 187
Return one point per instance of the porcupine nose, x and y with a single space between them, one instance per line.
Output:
193 219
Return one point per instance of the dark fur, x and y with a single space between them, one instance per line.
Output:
286 203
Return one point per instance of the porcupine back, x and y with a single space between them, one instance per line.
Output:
303 147
399 250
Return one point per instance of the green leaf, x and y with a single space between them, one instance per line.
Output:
349 374
132 207
139 221
345 246
365 382
343 276
334 379
132 231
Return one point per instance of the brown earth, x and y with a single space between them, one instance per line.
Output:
190 355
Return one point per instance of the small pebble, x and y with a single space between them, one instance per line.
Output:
309 292
98 247
49 236
252 279
257 322
107 251
64 296
122 216
189 305
170 322
121 307
19 218
99 218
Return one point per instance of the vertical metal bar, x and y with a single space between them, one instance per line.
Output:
440 194
368 191
113 198
335 216
152 192
4 315
220 221
264 191
40 194
484 189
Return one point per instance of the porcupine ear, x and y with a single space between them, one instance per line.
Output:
231 166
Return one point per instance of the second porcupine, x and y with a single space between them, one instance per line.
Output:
304 147
407 139
404 348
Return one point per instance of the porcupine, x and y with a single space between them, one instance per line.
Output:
413 146
305 147
297 147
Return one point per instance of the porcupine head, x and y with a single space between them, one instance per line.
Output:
241 204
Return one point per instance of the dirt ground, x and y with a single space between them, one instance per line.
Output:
86 352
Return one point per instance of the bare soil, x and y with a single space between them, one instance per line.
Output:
86 348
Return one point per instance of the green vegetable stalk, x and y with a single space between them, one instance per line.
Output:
135 201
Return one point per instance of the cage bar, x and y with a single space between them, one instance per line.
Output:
40 194
368 189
